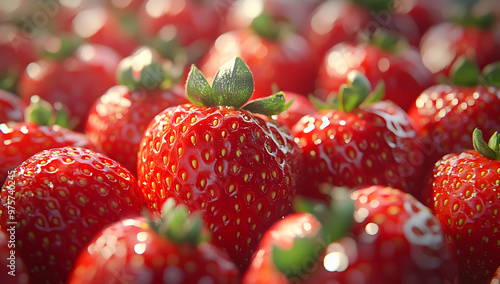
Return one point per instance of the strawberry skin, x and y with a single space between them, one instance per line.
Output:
131 250
24 139
466 200
238 169
376 144
60 199
445 116
10 107
119 118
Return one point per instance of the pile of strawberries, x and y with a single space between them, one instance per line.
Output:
250 141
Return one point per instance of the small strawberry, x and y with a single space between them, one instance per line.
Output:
10 107
359 142
40 131
118 119
75 81
445 115
385 56
57 200
169 250
466 201
216 155
382 235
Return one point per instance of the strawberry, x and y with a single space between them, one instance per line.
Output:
117 120
466 201
469 34
446 114
276 56
40 131
75 81
384 57
12 268
383 236
216 155
496 277
57 200
10 107
359 142
168 250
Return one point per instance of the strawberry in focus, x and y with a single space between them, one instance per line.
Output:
169 250
62 197
218 156
465 199
359 141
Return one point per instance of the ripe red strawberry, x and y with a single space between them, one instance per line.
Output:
12 268
168 250
359 143
10 107
276 56
445 115
385 57
75 81
393 239
118 119
496 277
216 156
474 36
24 139
57 200
466 201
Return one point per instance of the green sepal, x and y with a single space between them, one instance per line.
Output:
490 149
386 40
377 94
271 105
336 220
233 83
331 102
491 74
352 94
293 263
8 80
376 5
465 72
179 225
464 13
61 47
42 112
141 69
198 89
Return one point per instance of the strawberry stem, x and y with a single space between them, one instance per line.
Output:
490 149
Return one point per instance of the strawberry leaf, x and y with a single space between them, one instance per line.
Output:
491 149
491 74
198 90
294 262
141 69
352 94
464 72
233 83
274 104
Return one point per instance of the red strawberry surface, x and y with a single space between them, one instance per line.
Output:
24 139
393 239
371 143
11 108
237 168
141 250
466 202
76 81
57 200
496 277
402 71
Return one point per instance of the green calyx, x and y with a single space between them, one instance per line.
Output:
269 28
490 149
61 47
232 86
142 69
386 40
472 14
466 72
42 112
336 220
357 92
375 5
179 225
